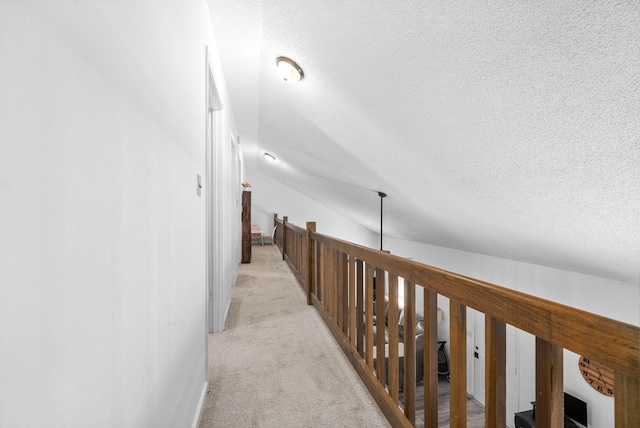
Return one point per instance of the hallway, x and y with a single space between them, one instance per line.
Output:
276 364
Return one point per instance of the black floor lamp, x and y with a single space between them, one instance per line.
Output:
382 196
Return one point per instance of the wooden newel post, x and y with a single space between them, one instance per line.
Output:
311 227
284 235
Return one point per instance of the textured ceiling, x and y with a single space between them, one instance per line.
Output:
505 128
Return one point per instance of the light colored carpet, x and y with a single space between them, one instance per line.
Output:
277 364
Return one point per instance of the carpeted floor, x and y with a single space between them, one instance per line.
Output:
276 364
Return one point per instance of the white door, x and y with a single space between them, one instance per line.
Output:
479 357
470 346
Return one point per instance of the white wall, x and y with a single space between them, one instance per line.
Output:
270 196
102 251
614 299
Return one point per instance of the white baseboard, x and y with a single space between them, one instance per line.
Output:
226 315
201 404
234 276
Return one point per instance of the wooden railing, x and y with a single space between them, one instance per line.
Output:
339 279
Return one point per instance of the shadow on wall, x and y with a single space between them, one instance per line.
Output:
261 218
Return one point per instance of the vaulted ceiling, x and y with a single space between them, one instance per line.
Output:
505 128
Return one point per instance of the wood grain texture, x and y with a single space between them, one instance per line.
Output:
285 224
394 383
600 378
369 315
557 386
549 385
330 282
344 290
360 306
246 227
381 366
495 372
311 227
352 291
627 402
322 271
409 381
458 364
316 270
430 345
340 287
610 342
294 270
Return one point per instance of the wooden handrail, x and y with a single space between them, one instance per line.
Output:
339 278
612 343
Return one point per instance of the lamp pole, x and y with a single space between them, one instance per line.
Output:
382 196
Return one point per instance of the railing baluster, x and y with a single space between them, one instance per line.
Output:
284 236
329 283
495 372
340 290
322 267
393 337
627 400
381 366
333 283
344 280
458 366
360 307
549 396
430 345
352 301
327 279
305 259
368 296
409 335
311 227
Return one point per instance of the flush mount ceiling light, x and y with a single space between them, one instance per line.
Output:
289 70
269 157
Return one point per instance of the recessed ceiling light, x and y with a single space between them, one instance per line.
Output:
289 70
269 157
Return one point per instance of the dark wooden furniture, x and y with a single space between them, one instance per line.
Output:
246 227
527 419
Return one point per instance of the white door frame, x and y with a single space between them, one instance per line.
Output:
479 362
213 192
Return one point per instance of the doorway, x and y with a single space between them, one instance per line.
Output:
479 360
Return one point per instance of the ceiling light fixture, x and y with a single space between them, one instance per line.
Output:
269 157
289 70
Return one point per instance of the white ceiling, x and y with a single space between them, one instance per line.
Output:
505 128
